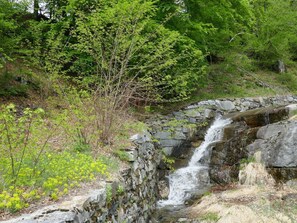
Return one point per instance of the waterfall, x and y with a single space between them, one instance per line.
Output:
185 181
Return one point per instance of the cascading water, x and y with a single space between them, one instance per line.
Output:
185 181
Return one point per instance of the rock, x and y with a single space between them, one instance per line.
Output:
282 174
208 113
170 143
131 155
163 189
246 104
270 131
141 138
292 109
225 105
167 151
179 135
255 174
280 67
163 135
277 143
193 113
292 183
239 214
290 99
262 116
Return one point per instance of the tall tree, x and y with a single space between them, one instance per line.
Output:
273 37
36 8
212 24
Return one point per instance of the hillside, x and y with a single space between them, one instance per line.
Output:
79 78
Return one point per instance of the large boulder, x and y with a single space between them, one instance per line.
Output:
227 154
278 144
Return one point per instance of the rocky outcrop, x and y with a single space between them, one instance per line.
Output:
262 116
277 144
227 154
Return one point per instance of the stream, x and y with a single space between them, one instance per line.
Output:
193 179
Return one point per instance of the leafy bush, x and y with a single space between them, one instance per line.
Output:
58 174
289 80
120 52
29 169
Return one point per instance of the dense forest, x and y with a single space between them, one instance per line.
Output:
146 50
89 63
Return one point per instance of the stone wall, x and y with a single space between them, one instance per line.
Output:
174 131
131 200
134 200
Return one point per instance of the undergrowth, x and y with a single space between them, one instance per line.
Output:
58 174
30 169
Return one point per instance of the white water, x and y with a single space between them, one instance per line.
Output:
185 180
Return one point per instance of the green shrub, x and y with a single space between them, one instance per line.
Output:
29 169
289 80
122 155
9 87
58 173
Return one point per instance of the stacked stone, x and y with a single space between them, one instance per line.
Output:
172 138
141 181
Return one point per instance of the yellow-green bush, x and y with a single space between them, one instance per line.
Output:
60 173
29 168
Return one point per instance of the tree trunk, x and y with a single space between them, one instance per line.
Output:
36 8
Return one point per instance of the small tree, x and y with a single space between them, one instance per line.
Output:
123 54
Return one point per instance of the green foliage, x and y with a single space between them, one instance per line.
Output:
289 80
60 173
245 161
173 123
210 24
29 170
9 87
80 146
168 161
122 155
122 48
273 37
108 193
8 27
120 190
20 139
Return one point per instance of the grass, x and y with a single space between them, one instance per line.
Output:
241 78
210 217
238 77
122 155
277 209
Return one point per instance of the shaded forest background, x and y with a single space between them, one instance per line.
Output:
144 50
